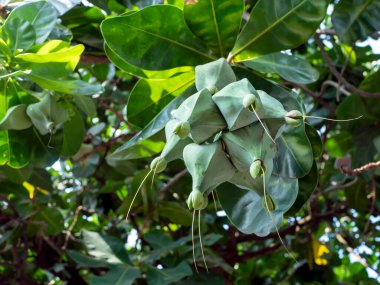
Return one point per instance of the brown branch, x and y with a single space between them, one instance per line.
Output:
361 169
173 181
258 253
119 115
70 229
338 76
93 59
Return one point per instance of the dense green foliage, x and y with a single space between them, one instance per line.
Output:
185 142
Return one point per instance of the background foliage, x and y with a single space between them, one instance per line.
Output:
86 89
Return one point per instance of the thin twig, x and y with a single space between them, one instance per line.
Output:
173 181
70 229
339 77
361 169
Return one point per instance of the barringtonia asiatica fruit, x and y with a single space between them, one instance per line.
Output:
247 144
174 144
204 118
214 75
208 165
294 118
232 102
271 107
47 115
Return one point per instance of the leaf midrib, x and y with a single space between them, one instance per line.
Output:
279 20
169 40
216 27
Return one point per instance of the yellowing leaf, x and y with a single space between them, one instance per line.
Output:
31 189
319 249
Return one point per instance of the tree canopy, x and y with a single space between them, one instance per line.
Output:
189 142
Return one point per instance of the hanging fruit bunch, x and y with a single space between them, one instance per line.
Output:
226 132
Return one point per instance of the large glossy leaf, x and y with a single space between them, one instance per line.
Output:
157 124
168 276
307 185
245 208
54 51
105 247
143 73
356 19
295 155
15 150
73 87
41 15
150 96
167 44
217 23
118 275
19 34
73 134
278 25
289 67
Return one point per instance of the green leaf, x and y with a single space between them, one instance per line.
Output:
122 153
15 119
84 260
150 96
73 134
19 34
295 155
356 19
356 196
278 25
339 143
143 73
315 140
15 150
119 275
217 23
4 50
85 104
41 15
54 51
51 218
168 276
167 44
73 87
245 208
82 15
175 213
307 185
289 67
105 247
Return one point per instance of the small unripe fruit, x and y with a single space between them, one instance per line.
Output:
196 200
255 169
294 118
182 129
212 89
249 100
158 164
51 127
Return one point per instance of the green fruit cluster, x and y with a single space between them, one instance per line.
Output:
221 133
